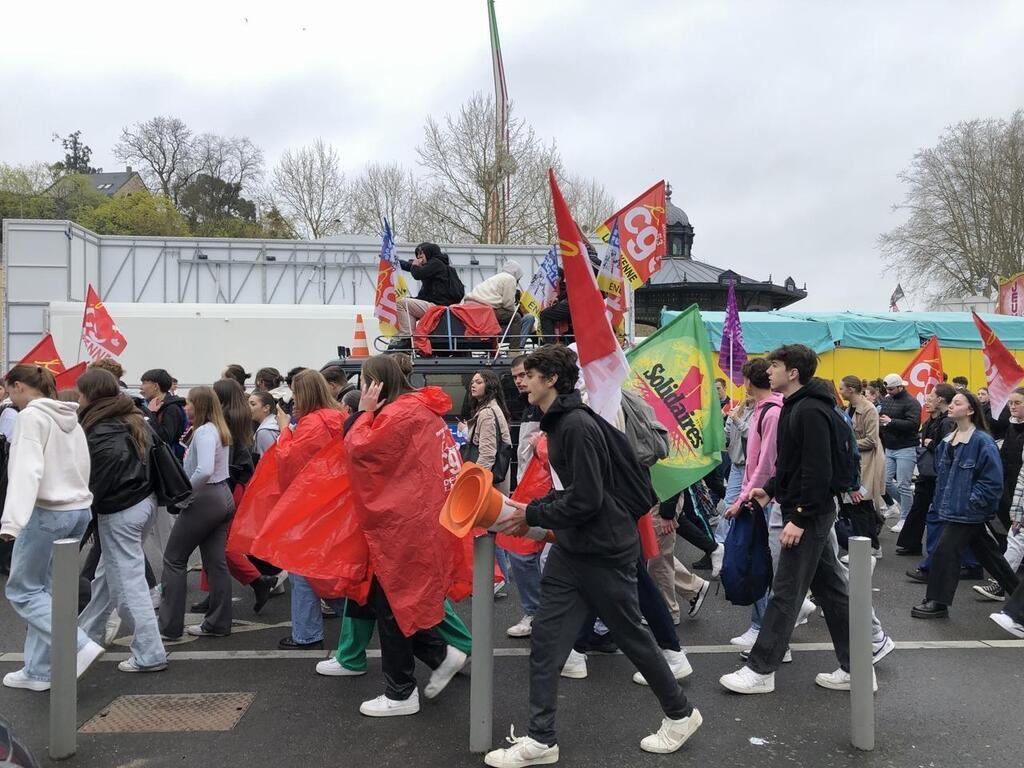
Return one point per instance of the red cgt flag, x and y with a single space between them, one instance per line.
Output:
642 234
99 332
44 354
69 378
1001 368
924 372
601 358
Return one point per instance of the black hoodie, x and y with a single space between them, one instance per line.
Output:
169 421
590 516
439 282
803 467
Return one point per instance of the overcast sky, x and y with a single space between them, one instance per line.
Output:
781 125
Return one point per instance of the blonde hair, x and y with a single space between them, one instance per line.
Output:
206 410
311 393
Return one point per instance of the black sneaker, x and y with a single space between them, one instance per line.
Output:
918 575
201 607
262 588
991 591
698 600
704 564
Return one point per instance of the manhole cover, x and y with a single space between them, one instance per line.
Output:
163 713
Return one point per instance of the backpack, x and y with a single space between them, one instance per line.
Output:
747 568
645 433
630 483
845 453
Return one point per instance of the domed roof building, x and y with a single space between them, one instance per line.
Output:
683 281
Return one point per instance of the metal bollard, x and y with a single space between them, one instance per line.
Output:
64 650
481 684
862 698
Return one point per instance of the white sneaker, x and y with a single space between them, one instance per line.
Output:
876 552
677 662
89 653
524 751
717 558
331 668
672 734
1002 619
747 639
893 510
454 660
746 680
20 679
806 611
112 628
898 527
382 706
155 594
698 600
523 629
575 666
840 680
131 665
882 649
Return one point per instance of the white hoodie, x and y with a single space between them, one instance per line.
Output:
49 463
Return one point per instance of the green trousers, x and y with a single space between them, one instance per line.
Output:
356 634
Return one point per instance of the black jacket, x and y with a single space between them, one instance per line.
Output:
169 421
936 428
803 466
588 519
439 282
905 412
118 478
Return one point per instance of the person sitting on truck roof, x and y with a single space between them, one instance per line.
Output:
439 284
501 293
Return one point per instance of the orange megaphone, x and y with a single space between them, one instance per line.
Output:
474 502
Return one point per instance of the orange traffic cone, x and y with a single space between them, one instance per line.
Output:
359 346
473 502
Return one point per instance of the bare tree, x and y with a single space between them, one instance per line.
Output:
235 159
309 187
387 190
164 147
966 211
467 178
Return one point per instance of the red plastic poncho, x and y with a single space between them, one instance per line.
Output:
536 482
402 463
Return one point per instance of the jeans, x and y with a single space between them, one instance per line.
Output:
732 492
526 576
813 564
899 471
526 326
570 589
30 588
551 316
307 618
120 583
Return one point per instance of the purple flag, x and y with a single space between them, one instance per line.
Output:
731 354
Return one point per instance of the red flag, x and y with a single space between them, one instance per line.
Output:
44 354
99 332
924 372
69 378
1001 368
603 364
642 234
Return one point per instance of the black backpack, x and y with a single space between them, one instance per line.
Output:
630 482
845 454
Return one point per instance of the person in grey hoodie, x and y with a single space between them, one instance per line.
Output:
48 498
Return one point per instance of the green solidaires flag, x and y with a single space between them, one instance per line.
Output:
672 371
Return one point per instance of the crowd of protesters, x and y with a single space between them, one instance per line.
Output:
90 464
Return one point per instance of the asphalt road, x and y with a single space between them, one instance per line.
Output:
957 704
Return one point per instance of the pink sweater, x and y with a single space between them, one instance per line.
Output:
761 448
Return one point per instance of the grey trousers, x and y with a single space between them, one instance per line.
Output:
811 564
571 589
203 524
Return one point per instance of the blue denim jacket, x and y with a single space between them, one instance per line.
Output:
968 490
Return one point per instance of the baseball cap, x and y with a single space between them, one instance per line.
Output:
894 380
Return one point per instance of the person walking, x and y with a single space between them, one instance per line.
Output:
263 411
48 499
899 421
166 411
592 565
933 431
203 522
807 559
968 486
124 503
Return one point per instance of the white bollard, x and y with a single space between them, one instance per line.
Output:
64 650
481 683
862 698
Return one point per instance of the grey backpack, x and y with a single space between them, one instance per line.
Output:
646 434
